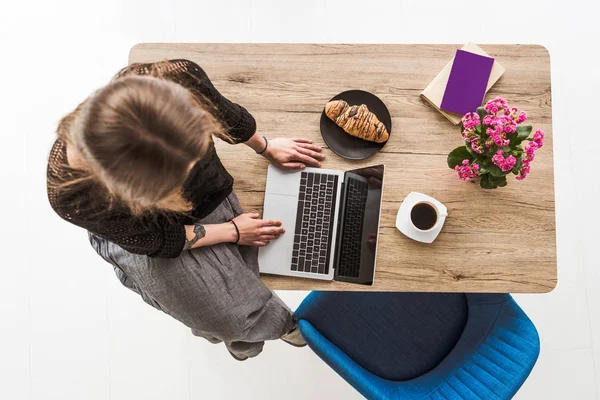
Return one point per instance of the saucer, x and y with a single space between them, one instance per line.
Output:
404 224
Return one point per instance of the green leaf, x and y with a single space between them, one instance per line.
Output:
457 156
485 182
524 130
486 162
482 113
498 181
496 171
506 150
517 168
518 164
483 171
521 134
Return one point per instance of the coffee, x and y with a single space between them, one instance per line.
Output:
423 216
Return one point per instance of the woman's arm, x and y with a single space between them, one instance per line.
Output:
290 153
199 235
240 124
287 153
245 230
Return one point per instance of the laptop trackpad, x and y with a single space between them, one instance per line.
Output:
282 181
279 251
283 208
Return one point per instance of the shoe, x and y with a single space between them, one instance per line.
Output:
239 357
294 338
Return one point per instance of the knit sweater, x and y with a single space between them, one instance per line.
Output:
157 234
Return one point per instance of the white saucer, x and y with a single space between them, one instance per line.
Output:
404 224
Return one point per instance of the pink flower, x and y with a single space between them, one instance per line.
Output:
465 171
471 121
529 150
505 164
499 127
500 141
498 159
538 141
510 128
469 135
538 138
510 162
476 145
495 105
510 113
524 172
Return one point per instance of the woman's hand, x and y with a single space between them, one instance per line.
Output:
294 153
255 231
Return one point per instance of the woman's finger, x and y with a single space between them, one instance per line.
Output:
310 153
307 160
312 147
272 231
268 237
254 215
270 222
260 243
302 140
293 165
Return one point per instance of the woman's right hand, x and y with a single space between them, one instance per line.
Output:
255 231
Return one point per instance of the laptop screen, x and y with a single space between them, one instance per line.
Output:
359 224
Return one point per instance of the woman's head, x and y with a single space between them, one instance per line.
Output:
140 136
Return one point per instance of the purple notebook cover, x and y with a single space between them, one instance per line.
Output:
468 80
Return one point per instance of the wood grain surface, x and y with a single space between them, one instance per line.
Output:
500 240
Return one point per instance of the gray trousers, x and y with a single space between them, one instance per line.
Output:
215 291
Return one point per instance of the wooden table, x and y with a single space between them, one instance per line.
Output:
500 240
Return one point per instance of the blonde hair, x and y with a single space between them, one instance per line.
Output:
139 136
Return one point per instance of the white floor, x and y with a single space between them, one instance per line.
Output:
70 331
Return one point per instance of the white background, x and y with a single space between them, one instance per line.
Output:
68 329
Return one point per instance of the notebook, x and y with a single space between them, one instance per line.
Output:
434 92
467 83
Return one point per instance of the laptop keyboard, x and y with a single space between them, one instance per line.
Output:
352 227
314 223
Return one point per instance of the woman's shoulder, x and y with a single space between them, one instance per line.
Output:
72 193
80 199
164 68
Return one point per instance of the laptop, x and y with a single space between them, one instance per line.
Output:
331 219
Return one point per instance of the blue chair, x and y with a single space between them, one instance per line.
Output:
422 345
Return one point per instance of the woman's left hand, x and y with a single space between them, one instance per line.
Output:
294 153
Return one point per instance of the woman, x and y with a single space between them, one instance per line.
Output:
135 165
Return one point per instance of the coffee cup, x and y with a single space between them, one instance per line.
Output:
421 217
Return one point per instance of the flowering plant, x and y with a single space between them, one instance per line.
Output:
494 147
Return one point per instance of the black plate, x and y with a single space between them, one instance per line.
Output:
346 145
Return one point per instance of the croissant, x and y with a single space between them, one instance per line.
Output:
358 121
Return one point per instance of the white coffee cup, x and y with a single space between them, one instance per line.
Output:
415 217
